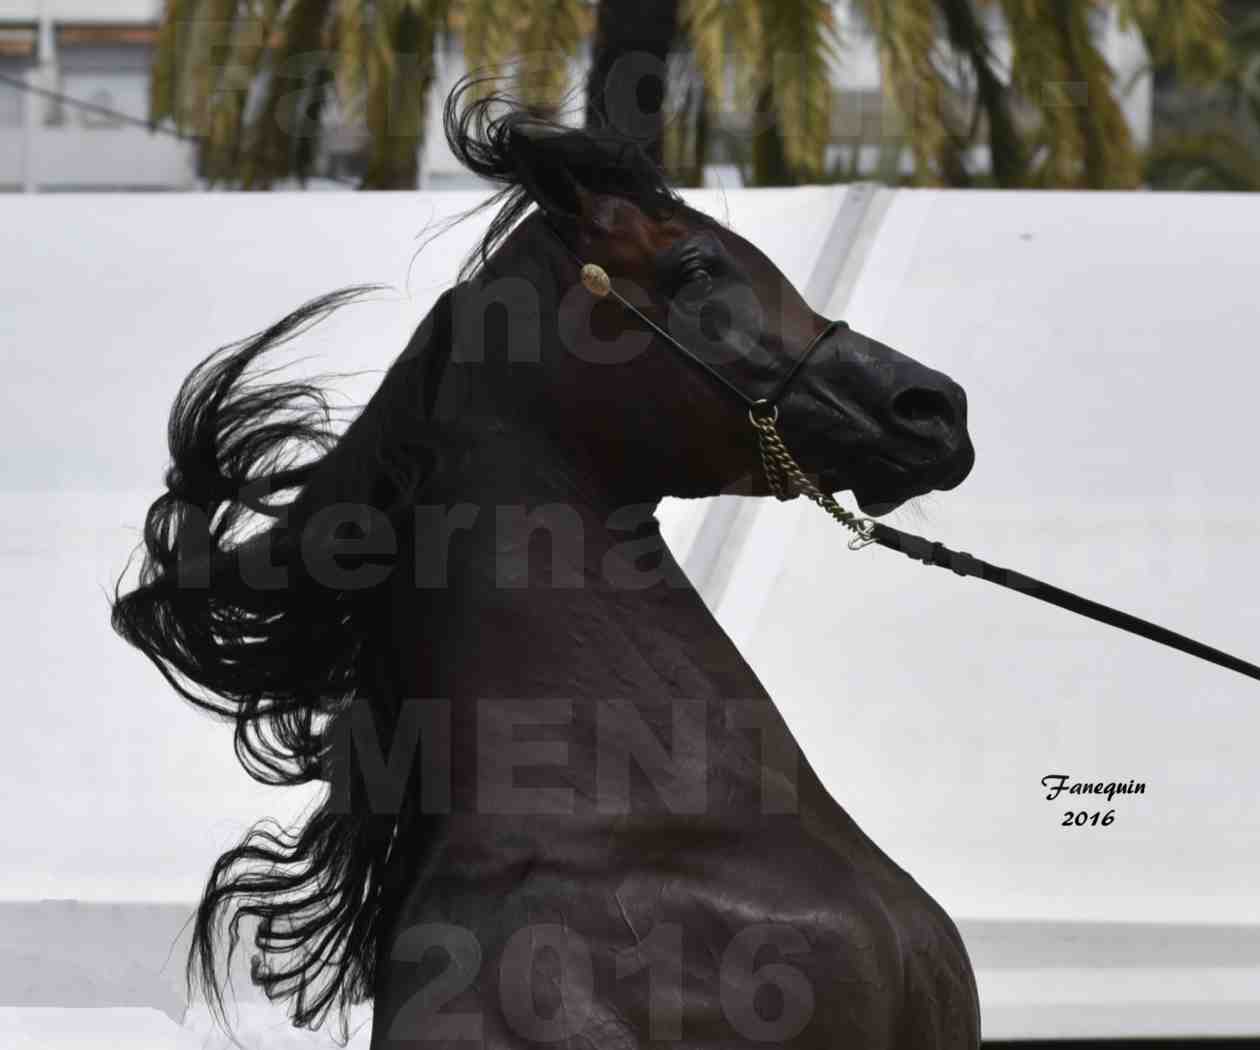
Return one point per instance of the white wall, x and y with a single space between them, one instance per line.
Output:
111 788
111 12
1106 342
80 158
109 301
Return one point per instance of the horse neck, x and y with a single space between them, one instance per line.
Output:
554 587
590 635
591 629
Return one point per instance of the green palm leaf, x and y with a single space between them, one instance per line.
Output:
1040 75
771 58
270 151
800 42
550 31
1110 161
1189 34
729 43
908 33
207 58
489 40
1211 160
400 71
168 53
352 49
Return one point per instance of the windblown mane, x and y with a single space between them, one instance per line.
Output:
286 663
538 160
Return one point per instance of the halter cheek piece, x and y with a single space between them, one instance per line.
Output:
597 282
787 480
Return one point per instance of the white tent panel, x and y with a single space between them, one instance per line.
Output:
109 301
1105 345
112 789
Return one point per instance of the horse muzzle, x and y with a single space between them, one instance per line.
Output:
880 423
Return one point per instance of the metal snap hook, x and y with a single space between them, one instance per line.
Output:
865 529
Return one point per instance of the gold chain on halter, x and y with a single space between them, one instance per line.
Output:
787 480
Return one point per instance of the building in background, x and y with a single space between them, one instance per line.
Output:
99 51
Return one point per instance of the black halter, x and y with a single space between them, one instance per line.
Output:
916 547
759 404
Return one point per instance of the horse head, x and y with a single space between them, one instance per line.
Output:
653 384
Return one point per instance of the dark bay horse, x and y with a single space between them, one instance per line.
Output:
560 808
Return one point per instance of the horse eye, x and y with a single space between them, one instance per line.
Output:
691 270
695 272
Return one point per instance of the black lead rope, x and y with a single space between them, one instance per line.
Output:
787 480
964 564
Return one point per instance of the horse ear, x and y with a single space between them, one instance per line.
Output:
539 159
551 162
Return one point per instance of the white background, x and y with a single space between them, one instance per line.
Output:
1107 344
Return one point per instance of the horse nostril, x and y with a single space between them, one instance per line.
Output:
918 405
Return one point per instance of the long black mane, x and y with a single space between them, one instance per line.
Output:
254 461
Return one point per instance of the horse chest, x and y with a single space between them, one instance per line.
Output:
690 939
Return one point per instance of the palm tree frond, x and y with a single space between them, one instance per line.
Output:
489 40
207 59
270 152
550 33
705 24
800 40
969 37
400 72
352 56
1190 34
1211 160
907 32
168 58
1042 78
1111 162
